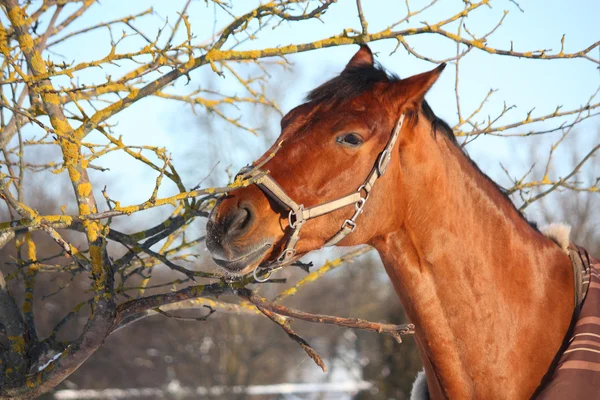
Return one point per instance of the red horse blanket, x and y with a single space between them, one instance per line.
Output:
577 375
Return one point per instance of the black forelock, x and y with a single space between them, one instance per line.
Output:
352 82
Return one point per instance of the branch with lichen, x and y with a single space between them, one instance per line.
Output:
61 108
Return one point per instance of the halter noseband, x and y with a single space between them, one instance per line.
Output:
299 215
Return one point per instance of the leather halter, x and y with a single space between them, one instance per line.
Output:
298 214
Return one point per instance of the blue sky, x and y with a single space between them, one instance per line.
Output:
521 82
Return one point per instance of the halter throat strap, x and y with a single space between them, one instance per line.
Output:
298 214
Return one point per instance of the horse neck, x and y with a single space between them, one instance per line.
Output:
490 296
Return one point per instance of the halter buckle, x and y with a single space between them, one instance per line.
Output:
299 218
383 161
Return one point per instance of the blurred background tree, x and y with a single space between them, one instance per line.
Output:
120 125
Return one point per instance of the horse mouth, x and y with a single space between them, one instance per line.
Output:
244 264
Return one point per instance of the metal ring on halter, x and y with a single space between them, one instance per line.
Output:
284 256
262 280
364 188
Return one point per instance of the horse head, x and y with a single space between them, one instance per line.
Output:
320 174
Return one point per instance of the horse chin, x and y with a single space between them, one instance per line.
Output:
244 264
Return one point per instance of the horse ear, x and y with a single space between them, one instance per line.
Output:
362 58
412 90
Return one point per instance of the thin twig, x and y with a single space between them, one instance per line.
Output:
396 331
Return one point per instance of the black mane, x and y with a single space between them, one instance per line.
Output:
354 81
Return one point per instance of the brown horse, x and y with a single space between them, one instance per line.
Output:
491 297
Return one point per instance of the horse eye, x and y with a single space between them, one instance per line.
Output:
349 139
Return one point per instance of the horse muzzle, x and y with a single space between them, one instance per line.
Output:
230 237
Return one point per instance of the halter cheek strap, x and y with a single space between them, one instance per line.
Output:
299 215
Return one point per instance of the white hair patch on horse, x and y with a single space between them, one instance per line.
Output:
559 233
419 390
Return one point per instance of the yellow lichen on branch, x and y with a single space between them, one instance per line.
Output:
65 109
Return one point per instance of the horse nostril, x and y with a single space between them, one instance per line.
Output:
240 221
